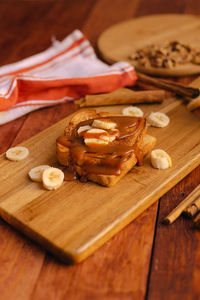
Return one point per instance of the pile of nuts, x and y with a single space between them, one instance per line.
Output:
167 56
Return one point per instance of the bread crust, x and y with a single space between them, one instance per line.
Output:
144 142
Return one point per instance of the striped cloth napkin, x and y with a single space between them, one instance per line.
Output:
66 71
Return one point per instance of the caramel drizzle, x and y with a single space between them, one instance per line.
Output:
105 159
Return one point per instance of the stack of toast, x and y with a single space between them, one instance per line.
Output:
103 147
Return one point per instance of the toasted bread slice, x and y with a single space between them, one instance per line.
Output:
143 142
109 180
147 144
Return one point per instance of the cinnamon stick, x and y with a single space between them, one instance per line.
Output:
177 211
122 96
194 208
176 88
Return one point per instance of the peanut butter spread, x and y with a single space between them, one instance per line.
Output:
116 145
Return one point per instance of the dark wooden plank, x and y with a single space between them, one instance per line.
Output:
160 7
27 27
106 13
176 256
192 7
20 264
9 132
115 271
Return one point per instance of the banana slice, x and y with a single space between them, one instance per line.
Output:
104 124
83 128
158 119
132 111
96 136
35 174
17 153
160 159
113 134
52 178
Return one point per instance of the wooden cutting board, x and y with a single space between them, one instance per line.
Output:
76 219
121 40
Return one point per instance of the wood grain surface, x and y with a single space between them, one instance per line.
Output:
146 260
78 218
121 40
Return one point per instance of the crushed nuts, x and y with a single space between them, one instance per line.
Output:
168 56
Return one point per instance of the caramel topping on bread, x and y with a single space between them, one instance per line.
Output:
103 155
105 159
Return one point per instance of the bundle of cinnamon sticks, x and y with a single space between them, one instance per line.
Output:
129 96
190 207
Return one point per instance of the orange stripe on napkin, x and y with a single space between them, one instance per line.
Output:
67 70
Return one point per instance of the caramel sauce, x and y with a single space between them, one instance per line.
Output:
95 135
69 174
124 124
64 141
105 159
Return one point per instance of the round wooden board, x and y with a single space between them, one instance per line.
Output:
119 41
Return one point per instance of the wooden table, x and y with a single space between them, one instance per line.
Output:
146 260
